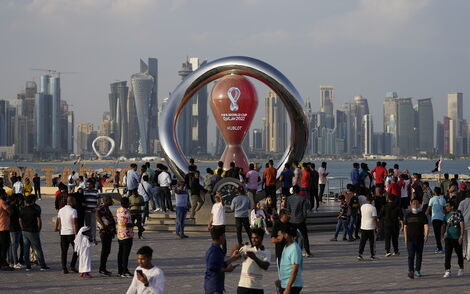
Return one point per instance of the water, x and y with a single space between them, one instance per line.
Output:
336 168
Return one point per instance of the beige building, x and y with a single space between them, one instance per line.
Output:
275 124
84 130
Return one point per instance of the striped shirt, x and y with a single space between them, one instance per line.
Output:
91 199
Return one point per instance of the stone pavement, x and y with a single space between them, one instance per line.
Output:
333 269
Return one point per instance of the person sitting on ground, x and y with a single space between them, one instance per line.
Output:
147 277
258 218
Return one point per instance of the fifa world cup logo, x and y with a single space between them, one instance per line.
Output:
234 102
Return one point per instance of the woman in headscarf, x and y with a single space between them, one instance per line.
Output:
82 247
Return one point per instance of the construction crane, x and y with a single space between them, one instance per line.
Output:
53 71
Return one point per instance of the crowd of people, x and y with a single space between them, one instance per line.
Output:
377 205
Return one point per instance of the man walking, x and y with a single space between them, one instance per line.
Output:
454 228
436 205
368 228
240 206
5 212
269 176
286 180
196 189
107 224
298 207
66 223
416 232
392 217
31 224
164 180
290 269
125 235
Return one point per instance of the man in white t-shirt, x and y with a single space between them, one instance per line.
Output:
256 263
18 186
368 227
66 222
148 278
72 182
218 217
322 174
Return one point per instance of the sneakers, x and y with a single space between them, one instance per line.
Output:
411 275
307 255
105 272
396 253
460 273
373 257
447 274
359 257
333 239
418 274
28 268
65 271
44 268
438 251
17 266
388 254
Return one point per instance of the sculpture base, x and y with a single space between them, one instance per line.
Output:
235 153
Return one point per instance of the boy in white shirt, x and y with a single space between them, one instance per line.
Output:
368 227
218 217
147 277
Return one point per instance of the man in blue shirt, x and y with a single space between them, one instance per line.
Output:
290 269
240 206
132 178
216 266
286 180
355 179
436 205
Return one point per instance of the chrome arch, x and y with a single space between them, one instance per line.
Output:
242 65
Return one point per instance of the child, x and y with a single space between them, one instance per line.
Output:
342 219
258 218
82 247
182 207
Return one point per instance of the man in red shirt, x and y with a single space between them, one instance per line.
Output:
394 188
305 180
380 173
269 176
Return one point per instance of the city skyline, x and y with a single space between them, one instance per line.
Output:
412 52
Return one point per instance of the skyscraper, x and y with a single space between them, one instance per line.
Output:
368 134
425 125
458 133
142 108
192 124
84 130
326 104
276 124
6 135
455 106
258 140
440 138
390 118
44 112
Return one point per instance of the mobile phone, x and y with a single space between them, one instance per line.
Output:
139 272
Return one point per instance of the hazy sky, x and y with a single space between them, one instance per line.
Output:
419 48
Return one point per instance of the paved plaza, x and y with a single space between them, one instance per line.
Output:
333 269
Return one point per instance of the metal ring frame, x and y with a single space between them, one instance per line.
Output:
242 65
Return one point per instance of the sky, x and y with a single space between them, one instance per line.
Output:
418 48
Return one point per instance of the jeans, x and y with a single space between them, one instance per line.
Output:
32 239
106 241
243 290
352 223
4 247
125 247
137 221
65 241
166 197
196 204
302 227
415 249
157 200
437 226
451 245
342 223
180 217
224 245
391 234
239 222
358 226
322 191
367 235
145 214
90 221
13 251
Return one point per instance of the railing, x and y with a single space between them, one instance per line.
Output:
334 187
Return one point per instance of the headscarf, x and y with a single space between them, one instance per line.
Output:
80 239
